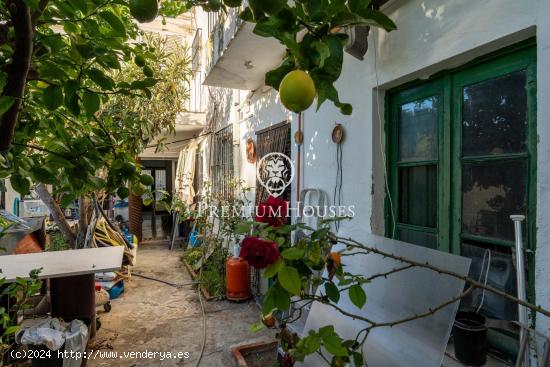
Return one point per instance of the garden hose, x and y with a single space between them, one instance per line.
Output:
203 316
163 281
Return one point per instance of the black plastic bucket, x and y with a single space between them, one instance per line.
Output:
470 339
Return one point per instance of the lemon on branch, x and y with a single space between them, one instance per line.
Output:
123 192
297 91
144 11
139 60
146 179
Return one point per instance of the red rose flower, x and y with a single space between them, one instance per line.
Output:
259 253
288 360
272 211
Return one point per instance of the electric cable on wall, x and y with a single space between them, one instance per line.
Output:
381 142
337 196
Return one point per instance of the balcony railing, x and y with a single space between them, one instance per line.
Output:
196 48
221 28
196 90
235 57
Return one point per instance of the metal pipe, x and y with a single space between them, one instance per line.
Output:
299 162
523 357
545 354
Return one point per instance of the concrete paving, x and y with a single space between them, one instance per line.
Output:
155 317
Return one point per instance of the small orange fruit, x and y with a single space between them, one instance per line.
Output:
336 258
269 321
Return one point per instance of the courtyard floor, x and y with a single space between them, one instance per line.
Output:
155 317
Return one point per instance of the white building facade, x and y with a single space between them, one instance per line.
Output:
450 132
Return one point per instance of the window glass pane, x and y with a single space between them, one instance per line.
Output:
494 116
417 237
491 192
418 129
501 275
418 195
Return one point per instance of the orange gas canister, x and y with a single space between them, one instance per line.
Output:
237 275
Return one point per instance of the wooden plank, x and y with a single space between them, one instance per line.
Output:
62 263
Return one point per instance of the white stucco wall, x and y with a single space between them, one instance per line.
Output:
259 110
542 267
433 35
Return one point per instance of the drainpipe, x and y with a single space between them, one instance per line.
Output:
299 162
135 215
523 356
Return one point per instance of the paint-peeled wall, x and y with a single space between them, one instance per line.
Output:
542 262
258 111
433 35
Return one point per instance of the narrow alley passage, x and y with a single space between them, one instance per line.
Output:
154 317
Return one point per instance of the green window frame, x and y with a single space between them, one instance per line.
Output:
449 86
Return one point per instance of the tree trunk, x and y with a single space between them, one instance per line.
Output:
57 214
18 69
135 216
135 213
83 222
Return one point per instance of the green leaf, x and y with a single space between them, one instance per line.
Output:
91 102
267 6
115 22
247 15
258 326
274 77
33 4
357 359
70 87
322 50
355 5
346 109
281 298
79 5
145 83
52 97
268 303
2 81
73 104
293 253
332 292
377 18
20 184
50 70
109 61
66 200
333 345
332 66
311 343
357 295
43 175
5 104
96 182
290 279
273 269
243 227
101 79
11 330
85 49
